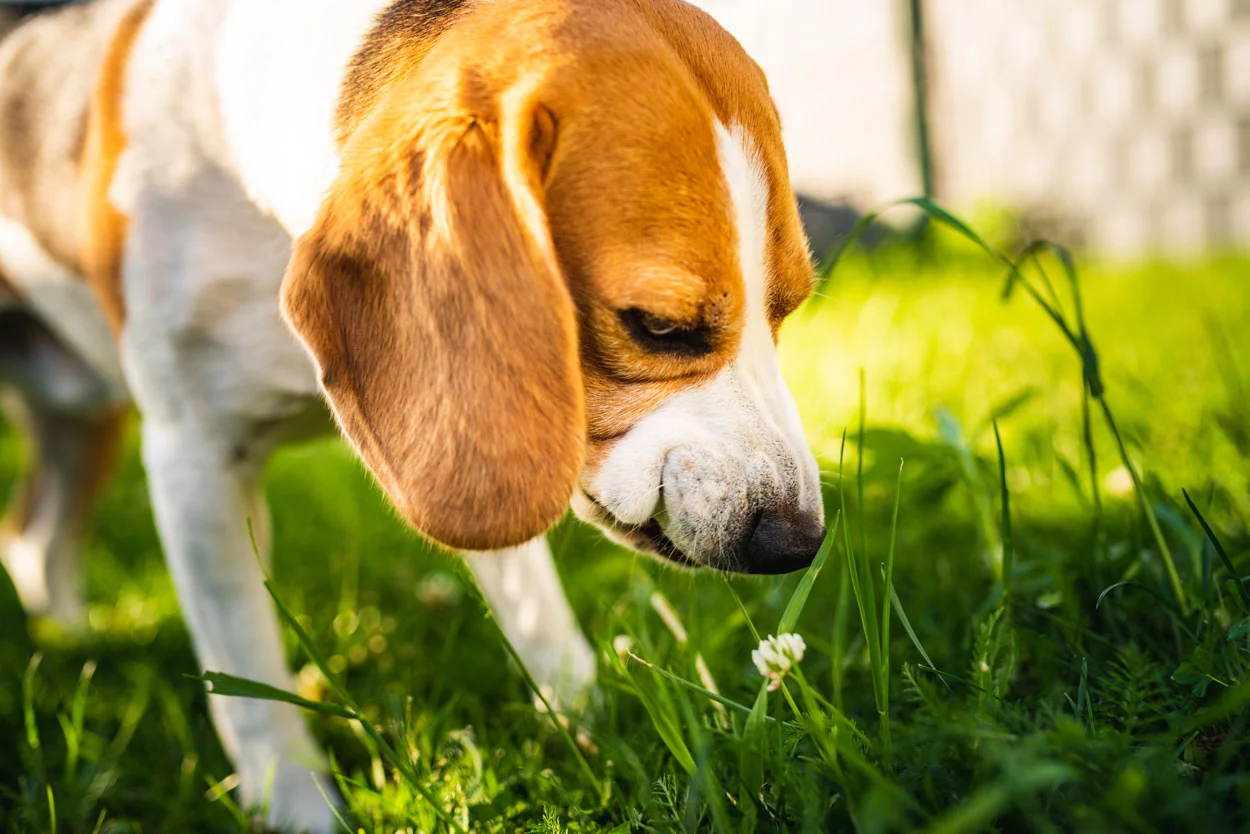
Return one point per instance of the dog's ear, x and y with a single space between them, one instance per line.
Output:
428 293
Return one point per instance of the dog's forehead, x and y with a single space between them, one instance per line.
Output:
638 205
640 201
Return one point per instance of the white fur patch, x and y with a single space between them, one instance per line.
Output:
282 68
749 194
247 86
757 355
24 558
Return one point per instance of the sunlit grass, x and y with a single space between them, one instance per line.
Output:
975 663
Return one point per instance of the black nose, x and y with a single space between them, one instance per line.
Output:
783 542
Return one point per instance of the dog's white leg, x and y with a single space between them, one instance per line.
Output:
525 595
71 425
218 380
202 498
69 457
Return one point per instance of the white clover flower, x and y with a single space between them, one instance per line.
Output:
776 656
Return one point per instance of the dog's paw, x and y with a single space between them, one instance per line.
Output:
44 594
300 801
567 683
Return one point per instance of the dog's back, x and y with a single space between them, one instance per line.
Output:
12 15
48 69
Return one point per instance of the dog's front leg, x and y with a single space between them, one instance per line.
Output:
203 499
524 592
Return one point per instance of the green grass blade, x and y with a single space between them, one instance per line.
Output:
857 231
694 687
1231 702
841 618
752 753
794 608
911 633
1090 365
310 649
1143 500
560 726
1128 583
1090 369
219 792
1233 575
943 216
733 592
859 468
74 725
28 700
338 817
662 719
219 683
705 773
1008 558
30 720
952 433
865 598
889 573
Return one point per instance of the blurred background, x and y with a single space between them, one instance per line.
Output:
1118 125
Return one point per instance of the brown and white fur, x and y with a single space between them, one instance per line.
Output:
529 252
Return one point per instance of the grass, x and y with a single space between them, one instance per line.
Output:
995 640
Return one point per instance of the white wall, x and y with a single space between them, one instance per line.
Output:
1123 124
841 79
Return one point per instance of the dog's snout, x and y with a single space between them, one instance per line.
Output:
783 542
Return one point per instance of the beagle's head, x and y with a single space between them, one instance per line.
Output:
553 267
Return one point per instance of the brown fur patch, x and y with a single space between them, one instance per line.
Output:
105 237
21 509
429 295
402 36
738 91
104 444
8 292
48 68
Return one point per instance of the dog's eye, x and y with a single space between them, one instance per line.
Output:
660 335
657 326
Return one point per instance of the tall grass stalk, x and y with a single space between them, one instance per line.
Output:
1076 334
889 595
1008 560
866 599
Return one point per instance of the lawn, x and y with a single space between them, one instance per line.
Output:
1084 690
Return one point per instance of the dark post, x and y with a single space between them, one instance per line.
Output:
920 90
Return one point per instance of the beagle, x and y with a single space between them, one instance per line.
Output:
530 253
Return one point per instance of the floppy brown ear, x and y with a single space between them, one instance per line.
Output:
429 295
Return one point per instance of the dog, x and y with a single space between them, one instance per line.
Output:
524 254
